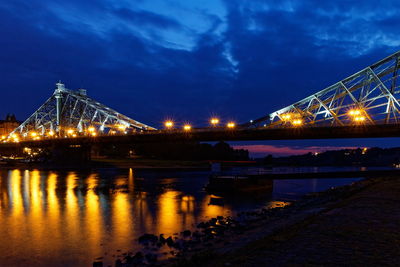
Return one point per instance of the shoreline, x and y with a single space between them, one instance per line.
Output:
285 236
225 241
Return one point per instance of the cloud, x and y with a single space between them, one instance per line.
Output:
188 59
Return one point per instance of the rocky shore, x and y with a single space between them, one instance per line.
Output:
255 238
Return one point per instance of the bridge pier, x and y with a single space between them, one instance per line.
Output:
71 153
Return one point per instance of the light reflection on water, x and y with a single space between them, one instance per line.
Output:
69 219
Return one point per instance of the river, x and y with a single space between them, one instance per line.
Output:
66 218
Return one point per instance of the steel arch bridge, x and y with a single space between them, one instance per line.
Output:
370 96
69 112
365 104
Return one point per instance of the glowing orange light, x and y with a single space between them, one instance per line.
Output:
91 129
169 124
231 125
70 131
214 121
51 133
359 118
33 134
286 117
187 127
354 112
297 122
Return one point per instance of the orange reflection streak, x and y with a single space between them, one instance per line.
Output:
15 193
53 206
72 209
13 222
4 191
1 196
212 211
94 222
142 215
187 209
26 187
131 181
122 219
36 215
169 221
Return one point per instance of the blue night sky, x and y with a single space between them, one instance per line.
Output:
189 60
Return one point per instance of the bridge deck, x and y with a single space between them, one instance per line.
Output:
361 131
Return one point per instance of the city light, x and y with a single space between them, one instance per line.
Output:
356 115
93 134
354 112
70 131
297 122
286 116
169 124
359 118
91 129
214 121
15 138
187 127
231 125
33 134
51 133
121 127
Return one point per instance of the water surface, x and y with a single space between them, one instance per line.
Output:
71 218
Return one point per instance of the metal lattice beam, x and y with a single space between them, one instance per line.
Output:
68 109
370 96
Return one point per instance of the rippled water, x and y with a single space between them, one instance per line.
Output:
71 218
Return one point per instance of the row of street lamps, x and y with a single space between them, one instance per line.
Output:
169 124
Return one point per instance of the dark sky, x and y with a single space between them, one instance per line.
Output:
188 60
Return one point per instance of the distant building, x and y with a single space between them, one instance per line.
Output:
9 124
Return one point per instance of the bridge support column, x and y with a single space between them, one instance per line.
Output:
58 96
76 154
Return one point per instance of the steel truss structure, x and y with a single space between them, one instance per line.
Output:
370 96
68 109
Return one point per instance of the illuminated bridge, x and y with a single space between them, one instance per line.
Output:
365 104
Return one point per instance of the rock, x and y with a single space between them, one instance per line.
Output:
118 263
162 239
148 238
151 258
203 225
138 258
187 233
213 221
128 259
197 234
169 241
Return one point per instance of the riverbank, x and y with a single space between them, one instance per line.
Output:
351 225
